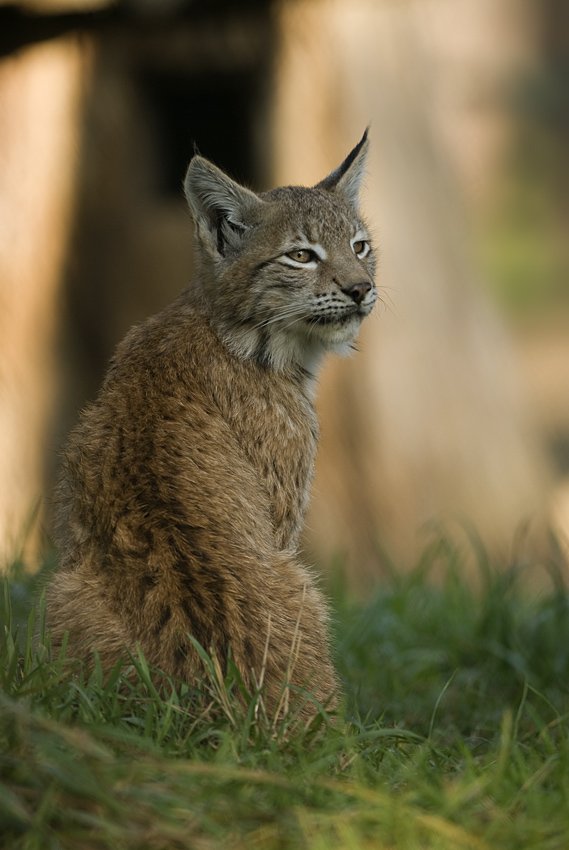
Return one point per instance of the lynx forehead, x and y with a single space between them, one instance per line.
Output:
185 485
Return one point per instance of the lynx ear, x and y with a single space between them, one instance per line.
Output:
348 176
221 208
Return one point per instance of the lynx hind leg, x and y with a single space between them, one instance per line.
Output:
83 622
76 607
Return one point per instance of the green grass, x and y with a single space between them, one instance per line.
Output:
522 234
454 734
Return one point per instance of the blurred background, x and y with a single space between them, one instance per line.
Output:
455 412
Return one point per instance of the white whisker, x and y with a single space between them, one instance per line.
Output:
291 312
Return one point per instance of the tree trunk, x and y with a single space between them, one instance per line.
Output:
428 421
40 91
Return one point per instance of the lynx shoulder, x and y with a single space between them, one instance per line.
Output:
185 484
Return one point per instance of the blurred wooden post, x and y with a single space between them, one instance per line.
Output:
428 420
40 94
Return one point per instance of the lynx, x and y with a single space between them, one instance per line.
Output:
185 485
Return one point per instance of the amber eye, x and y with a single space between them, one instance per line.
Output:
360 248
301 255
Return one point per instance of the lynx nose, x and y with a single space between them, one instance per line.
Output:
358 291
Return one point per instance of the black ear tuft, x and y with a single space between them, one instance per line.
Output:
351 157
348 176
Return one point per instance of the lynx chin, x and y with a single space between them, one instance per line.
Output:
185 484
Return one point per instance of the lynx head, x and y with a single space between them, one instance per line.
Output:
288 274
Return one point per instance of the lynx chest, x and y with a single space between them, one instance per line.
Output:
276 426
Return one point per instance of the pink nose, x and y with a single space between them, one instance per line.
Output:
358 291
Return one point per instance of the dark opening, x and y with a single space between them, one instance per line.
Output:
212 112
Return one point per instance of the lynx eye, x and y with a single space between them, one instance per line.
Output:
360 248
302 255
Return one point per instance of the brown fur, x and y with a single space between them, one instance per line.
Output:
186 483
